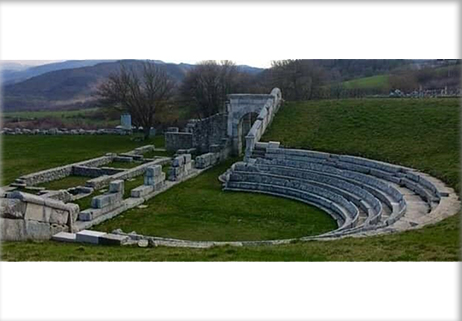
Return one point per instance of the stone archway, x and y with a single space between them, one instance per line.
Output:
239 106
243 127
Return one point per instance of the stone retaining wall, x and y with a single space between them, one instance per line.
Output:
62 171
264 119
26 216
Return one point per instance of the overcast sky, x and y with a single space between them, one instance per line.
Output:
253 63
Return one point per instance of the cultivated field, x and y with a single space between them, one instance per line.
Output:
423 134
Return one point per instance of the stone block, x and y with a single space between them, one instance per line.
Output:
41 231
12 229
116 186
113 239
87 236
125 159
64 237
106 200
178 161
141 191
187 158
153 171
35 212
12 208
56 216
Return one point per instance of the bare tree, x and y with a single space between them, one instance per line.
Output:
140 91
206 85
298 79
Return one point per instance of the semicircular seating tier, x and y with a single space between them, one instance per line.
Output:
364 196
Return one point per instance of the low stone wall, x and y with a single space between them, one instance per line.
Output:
26 216
88 171
63 131
104 180
207 160
61 172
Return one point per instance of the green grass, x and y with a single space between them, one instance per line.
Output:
24 154
131 184
65 183
420 133
199 210
379 81
435 243
123 164
85 202
153 154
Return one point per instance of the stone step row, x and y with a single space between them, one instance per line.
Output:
370 186
393 173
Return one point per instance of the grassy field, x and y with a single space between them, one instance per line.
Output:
197 209
61 118
27 154
65 183
420 133
49 113
435 243
125 165
379 81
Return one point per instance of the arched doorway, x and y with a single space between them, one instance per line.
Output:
245 123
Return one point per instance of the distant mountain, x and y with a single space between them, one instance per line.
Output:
249 69
14 75
12 66
75 86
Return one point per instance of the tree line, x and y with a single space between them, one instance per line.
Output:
146 90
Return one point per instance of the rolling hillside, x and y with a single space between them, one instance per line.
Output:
14 73
68 87
74 84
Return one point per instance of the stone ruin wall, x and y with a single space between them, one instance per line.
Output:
61 172
223 131
199 134
29 217
208 131
264 119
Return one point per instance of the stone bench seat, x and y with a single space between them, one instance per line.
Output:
361 198
378 188
386 193
342 215
389 172
285 182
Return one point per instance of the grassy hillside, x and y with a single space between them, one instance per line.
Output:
420 133
379 82
70 87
